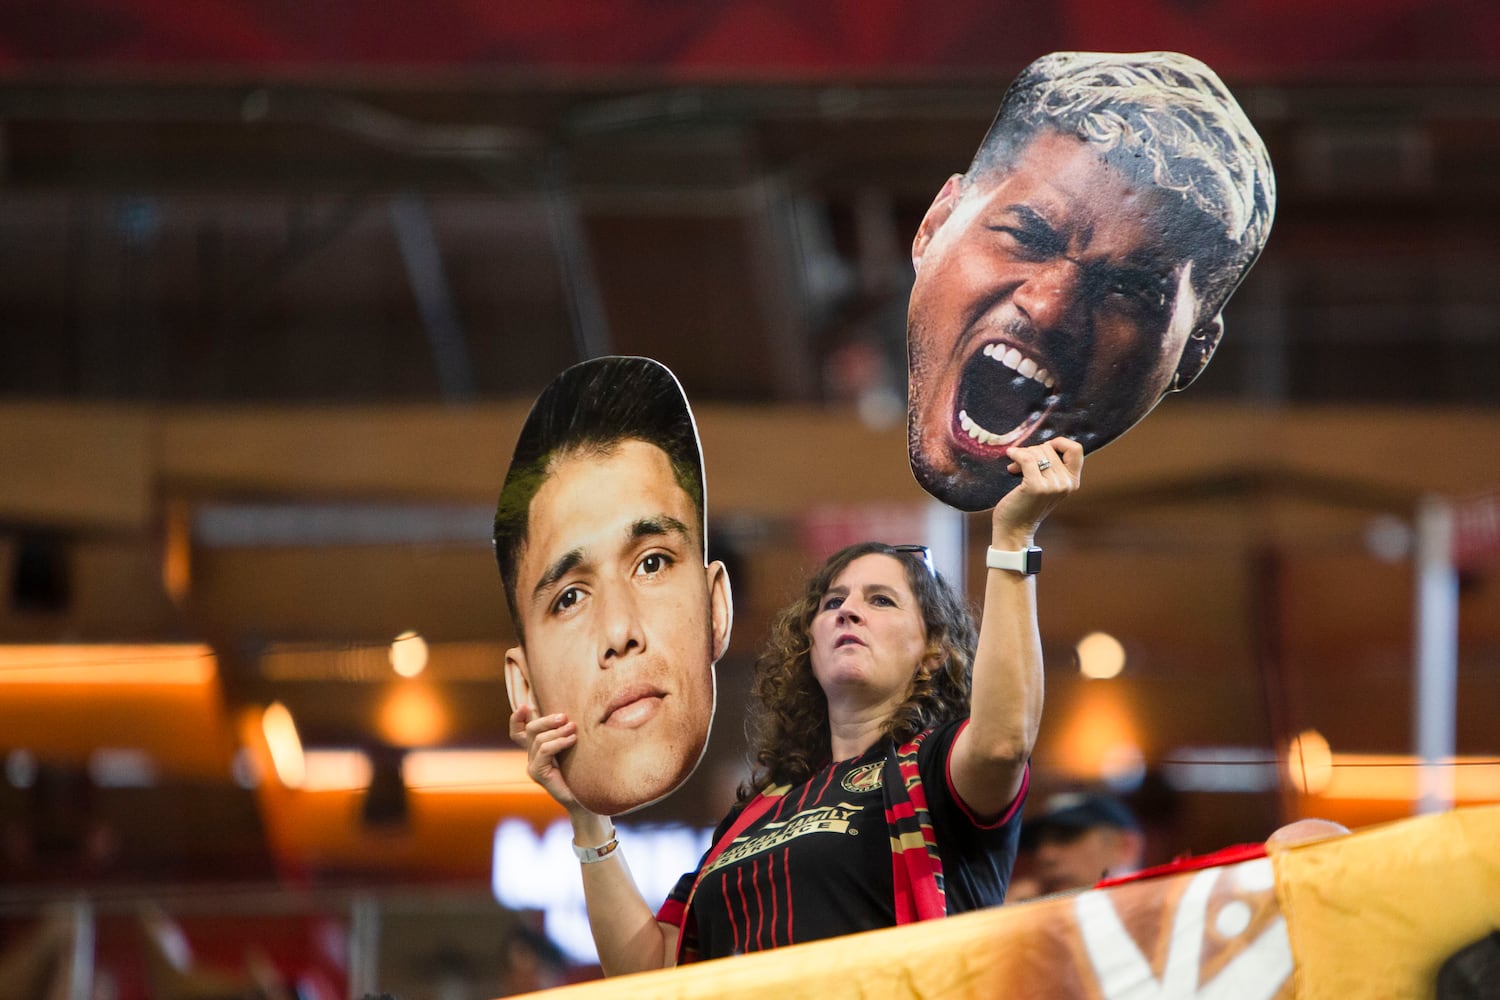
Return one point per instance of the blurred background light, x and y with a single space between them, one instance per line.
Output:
1388 538
1100 656
1123 767
1099 733
468 771
1309 762
20 768
73 664
122 767
337 771
408 654
413 715
285 745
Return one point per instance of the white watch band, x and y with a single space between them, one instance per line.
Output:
591 855
1027 561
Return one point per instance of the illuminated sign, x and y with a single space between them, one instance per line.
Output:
533 872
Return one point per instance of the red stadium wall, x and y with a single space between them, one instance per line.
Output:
1242 39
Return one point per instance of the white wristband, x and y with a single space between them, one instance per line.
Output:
593 855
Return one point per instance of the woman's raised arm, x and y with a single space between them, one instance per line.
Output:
1005 709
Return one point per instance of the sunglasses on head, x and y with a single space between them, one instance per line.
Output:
921 550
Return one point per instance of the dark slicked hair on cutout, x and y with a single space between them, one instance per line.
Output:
591 409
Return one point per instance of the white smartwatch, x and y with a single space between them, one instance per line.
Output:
1027 561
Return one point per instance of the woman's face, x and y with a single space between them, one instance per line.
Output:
868 636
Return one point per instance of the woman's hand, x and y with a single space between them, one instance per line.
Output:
626 932
1049 472
544 737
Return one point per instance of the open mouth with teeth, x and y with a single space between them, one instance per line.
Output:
1003 396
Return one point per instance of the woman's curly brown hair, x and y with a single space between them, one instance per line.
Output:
787 720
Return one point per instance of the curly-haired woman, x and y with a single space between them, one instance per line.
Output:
890 749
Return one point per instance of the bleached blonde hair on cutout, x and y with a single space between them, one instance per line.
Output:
1162 117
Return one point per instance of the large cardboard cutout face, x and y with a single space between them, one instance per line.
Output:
1077 273
600 536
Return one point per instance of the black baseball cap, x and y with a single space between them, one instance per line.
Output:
1075 812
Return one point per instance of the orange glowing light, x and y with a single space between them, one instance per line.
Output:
107 664
468 771
1397 778
487 772
177 553
1097 733
1309 762
337 771
285 745
413 716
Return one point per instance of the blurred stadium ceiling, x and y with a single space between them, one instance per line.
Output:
264 267
214 202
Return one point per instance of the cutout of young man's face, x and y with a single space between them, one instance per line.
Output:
1055 294
622 622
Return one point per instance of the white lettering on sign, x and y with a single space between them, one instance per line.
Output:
531 872
1257 972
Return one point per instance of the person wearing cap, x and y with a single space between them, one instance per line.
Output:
1078 839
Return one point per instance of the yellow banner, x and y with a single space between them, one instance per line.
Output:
1372 914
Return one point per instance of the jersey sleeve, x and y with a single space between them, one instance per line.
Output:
978 852
935 760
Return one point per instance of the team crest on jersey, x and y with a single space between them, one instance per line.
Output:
864 779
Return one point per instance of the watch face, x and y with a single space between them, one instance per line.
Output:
1033 561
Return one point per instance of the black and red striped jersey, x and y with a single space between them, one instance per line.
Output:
818 863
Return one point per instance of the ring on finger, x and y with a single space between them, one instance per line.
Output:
1044 465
